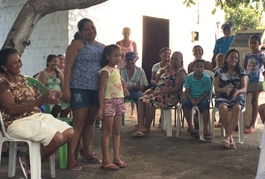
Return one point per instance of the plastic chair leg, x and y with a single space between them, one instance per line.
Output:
12 159
178 123
240 129
52 165
163 127
35 160
1 145
63 156
166 118
213 119
201 125
123 120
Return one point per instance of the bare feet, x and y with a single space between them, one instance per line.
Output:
133 116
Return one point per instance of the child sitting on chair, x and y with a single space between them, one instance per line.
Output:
197 89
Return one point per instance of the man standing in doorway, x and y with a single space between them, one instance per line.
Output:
222 44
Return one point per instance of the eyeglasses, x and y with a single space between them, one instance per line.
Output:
232 57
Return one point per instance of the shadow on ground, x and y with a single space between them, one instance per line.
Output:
157 157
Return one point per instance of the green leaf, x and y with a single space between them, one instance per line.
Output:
214 11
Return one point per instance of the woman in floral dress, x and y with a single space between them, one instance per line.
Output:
230 84
166 95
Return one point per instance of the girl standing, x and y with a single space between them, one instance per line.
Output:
257 58
112 107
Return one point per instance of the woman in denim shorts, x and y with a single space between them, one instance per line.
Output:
81 89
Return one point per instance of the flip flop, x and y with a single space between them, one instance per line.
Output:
226 143
120 164
74 167
232 145
110 166
139 134
94 160
25 168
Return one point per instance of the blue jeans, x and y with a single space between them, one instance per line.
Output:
135 95
203 104
83 98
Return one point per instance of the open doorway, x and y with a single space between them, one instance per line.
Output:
155 37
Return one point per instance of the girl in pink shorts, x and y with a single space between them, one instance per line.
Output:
112 107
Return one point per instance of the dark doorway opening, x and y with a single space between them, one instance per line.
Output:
155 37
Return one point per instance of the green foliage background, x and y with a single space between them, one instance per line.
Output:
245 15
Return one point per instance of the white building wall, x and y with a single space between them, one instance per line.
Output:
110 18
55 31
48 37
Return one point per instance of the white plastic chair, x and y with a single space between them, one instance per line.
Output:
178 119
34 154
239 123
200 119
166 123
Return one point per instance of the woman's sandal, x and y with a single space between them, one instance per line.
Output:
120 164
226 143
74 167
232 145
110 166
93 160
25 168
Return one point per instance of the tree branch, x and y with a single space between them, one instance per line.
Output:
32 12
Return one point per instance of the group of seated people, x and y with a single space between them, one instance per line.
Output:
168 79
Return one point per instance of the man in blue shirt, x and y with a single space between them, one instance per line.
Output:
222 44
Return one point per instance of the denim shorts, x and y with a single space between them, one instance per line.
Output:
81 98
203 104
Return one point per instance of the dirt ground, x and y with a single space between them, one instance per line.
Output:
157 157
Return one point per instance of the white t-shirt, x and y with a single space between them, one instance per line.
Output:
156 67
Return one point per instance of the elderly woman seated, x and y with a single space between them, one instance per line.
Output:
21 116
166 95
230 84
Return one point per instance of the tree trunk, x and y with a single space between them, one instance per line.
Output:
32 12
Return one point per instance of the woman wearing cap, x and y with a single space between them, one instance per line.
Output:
222 44
81 86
